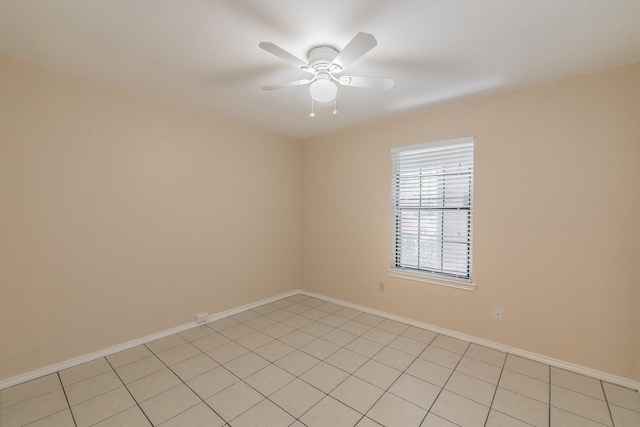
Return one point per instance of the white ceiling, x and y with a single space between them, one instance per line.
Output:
204 53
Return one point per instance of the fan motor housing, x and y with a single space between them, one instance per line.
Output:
320 57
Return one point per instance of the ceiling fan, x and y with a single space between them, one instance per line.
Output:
325 66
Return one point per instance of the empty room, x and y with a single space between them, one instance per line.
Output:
232 213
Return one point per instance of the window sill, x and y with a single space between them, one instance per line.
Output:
430 278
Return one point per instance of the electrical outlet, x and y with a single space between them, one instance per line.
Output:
202 317
381 287
497 313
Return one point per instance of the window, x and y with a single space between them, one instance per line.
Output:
432 195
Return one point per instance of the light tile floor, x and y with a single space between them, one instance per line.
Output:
300 361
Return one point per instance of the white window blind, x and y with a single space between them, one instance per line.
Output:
432 194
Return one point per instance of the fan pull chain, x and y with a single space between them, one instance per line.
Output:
334 112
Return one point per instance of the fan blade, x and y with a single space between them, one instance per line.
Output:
284 55
355 49
287 84
366 82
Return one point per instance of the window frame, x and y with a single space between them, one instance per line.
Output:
421 275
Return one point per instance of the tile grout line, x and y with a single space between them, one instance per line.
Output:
504 362
352 374
448 379
128 391
581 415
604 393
550 396
73 418
187 385
443 386
405 372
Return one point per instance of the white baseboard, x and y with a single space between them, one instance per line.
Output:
107 351
604 376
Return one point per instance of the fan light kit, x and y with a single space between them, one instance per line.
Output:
325 64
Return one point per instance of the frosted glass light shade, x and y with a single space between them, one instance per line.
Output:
323 90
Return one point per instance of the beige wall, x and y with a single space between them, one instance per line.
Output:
122 216
556 221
